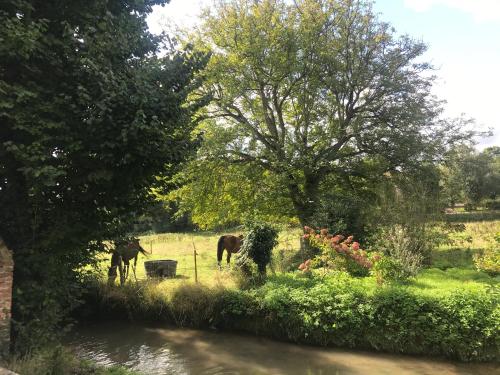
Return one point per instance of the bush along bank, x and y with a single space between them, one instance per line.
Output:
337 311
57 360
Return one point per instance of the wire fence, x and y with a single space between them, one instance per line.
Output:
181 248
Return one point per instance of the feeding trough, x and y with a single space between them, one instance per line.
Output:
160 268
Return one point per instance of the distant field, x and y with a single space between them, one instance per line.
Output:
180 247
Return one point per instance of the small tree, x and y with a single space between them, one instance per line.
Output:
258 244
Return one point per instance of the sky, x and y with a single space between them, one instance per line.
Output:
463 37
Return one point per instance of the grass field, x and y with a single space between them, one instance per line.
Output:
181 246
452 265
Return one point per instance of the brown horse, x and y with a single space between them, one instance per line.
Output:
231 243
124 252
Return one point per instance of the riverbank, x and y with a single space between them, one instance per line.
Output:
449 310
340 311
59 360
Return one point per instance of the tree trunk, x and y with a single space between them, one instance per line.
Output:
305 201
305 204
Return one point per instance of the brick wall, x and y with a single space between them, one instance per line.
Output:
6 274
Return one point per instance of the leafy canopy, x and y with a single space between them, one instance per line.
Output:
313 88
90 116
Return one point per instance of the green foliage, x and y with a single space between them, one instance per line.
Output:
467 217
281 103
91 121
407 214
489 260
258 244
460 323
404 249
471 175
492 204
59 361
388 269
345 208
217 194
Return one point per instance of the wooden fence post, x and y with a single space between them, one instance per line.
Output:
195 265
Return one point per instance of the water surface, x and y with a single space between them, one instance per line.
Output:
155 351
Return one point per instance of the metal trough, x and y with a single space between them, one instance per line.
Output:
160 268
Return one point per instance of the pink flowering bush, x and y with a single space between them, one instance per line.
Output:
306 267
339 252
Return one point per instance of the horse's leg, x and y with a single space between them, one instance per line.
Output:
135 266
228 257
112 275
219 262
221 246
122 275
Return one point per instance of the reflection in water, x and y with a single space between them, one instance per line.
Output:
155 351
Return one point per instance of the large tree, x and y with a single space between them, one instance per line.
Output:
90 118
315 88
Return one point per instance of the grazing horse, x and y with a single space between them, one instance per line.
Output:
124 251
231 243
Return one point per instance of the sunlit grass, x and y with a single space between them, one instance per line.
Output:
452 267
181 246
476 237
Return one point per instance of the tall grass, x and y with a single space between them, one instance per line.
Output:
59 361
477 237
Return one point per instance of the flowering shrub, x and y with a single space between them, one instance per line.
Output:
306 267
338 252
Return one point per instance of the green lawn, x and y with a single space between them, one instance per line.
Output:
180 247
452 265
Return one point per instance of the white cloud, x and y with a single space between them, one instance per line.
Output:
481 10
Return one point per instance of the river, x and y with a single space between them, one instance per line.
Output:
173 351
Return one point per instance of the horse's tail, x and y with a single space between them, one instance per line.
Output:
220 249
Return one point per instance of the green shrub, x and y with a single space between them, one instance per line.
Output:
337 310
404 249
388 269
258 244
488 261
492 204
59 361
